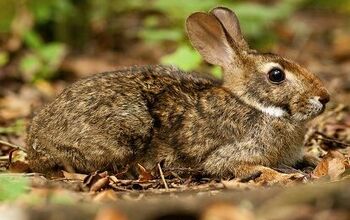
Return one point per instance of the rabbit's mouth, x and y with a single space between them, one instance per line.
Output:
310 110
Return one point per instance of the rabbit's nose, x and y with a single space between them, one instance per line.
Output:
324 99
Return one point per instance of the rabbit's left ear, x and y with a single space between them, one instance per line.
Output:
209 38
230 23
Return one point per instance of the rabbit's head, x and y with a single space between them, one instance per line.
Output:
270 83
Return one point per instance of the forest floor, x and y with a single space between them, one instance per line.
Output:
323 192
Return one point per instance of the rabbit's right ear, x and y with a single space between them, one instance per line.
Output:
230 22
208 37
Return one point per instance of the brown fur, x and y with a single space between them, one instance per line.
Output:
153 113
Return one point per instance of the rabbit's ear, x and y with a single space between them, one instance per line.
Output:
208 37
230 22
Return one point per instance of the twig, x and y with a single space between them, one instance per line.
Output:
4 158
162 176
326 138
12 145
284 168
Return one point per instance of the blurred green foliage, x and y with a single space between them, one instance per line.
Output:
183 57
12 187
47 30
17 128
42 59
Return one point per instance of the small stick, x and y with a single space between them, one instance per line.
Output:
291 168
11 145
162 176
4 158
326 138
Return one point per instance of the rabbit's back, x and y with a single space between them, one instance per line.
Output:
106 117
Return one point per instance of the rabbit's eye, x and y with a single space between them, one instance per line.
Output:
276 75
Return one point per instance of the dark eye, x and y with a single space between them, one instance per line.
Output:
276 75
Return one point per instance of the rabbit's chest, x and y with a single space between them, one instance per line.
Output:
279 143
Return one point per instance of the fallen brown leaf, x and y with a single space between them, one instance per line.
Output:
336 167
321 169
332 165
19 167
99 184
96 181
18 162
144 175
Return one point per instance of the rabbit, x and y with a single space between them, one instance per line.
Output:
249 122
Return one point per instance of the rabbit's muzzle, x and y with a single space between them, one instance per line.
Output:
311 108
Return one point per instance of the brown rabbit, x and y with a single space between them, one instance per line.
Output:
251 120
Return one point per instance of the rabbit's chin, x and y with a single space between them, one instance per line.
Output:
311 110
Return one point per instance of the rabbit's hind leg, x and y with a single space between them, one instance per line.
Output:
102 153
117 142
85 155
42 163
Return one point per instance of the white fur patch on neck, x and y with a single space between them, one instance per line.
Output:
273 111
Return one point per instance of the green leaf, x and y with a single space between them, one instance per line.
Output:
52 53
184 57
12 187
32 39
43 62
30 65
41 10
